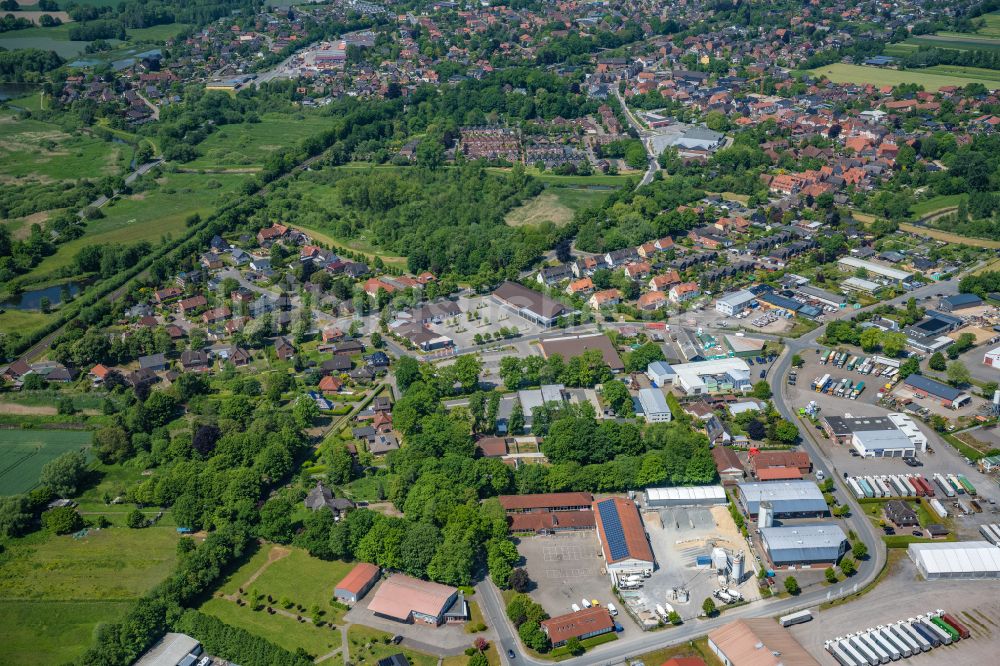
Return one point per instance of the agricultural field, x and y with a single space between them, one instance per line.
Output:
555 204
249 144
32 148
23 453
55 590
147 216
157 33
929 78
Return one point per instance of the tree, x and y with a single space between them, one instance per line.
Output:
532 635
848 567
64 405
618 398
62 475
708 607
762 390
136 519
574 646
785 431
467 369
893 344
831 575
870 339
407 372
519 580
859 550
792 586
112 445
516 423
674 618
15 515
478 659
909 367
756 430
305 411
62 520
958 374
937 362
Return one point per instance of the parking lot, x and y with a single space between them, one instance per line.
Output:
802 392
903 595
486 318
567 568
679 535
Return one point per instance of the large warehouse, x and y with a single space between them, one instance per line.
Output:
804 544
685 496
961 560
703 377
790 499
623 537
407 599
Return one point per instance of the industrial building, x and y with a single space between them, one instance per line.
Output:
823 296
860 284
623 537
171 650
789 499
549 512
685 496
407 599
357 582
758 642
892 436
992 358
653 405
959 302
927 387
850 264
703 377
804 544
734 303
883 444
960 560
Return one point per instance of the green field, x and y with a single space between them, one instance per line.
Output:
284 631
934 204
149 215
43 150
24 452
54 591
555 204
249 144
157 33
52 632
23 321
860 74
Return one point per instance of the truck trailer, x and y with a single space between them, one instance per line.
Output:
956 625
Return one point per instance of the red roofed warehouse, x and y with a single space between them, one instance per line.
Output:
356 584
581 624
623 537
546 502
407 599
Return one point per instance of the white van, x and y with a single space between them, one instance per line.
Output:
586 603
612 610
576 609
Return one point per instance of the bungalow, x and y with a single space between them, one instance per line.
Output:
330 384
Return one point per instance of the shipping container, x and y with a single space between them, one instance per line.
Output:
938 508
914 490
864 650
845 645
950 630
866 488
886 644
956 625
928 488
988 534
928 635
855 488
953 481
900 486
901 646
795 618
873 484
969 488
876 648
945 636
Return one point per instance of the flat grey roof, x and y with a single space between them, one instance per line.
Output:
803 542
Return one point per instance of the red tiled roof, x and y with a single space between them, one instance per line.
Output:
779 473
587 621
492 446
545 501
551 520
359 577
401 595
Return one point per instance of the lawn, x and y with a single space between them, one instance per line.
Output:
597 180
956 41
356 244
24 452
157 33
860 74
697 648
24 321
249 144
935 204
116 564
368 645
36 148
149 215
555 204
52 632
281 630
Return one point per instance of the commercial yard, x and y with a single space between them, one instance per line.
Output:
903 595
23 453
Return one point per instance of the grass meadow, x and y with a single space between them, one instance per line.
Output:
555 204
23 453
36 149
931 78
249 144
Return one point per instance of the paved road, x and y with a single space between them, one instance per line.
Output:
652 165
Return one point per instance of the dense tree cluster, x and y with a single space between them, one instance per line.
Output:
587 369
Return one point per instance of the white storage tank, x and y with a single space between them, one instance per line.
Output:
765 515
720 560
736 575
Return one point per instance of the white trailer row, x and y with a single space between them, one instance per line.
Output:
884 485
890 642
991 533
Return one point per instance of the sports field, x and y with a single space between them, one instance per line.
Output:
931 78
24 452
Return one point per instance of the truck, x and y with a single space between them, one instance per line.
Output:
915 489
943 485
661 611
857 390
941 634
795 618
969 488
820 383
895 641
938 508
906 629
900 487
824 357
921 629
877 649
839 655
903 638
863 649
865 488
956 625
988 534
876 489
856 488
944 626
612 610
953 481
845 645
888 646
928 488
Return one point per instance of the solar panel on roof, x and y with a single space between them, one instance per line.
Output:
613 530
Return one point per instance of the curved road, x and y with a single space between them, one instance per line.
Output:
652 165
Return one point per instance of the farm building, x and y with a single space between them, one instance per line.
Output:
357 582
623 537
789 499
582 624
804 544
961 560
685 496
407 599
